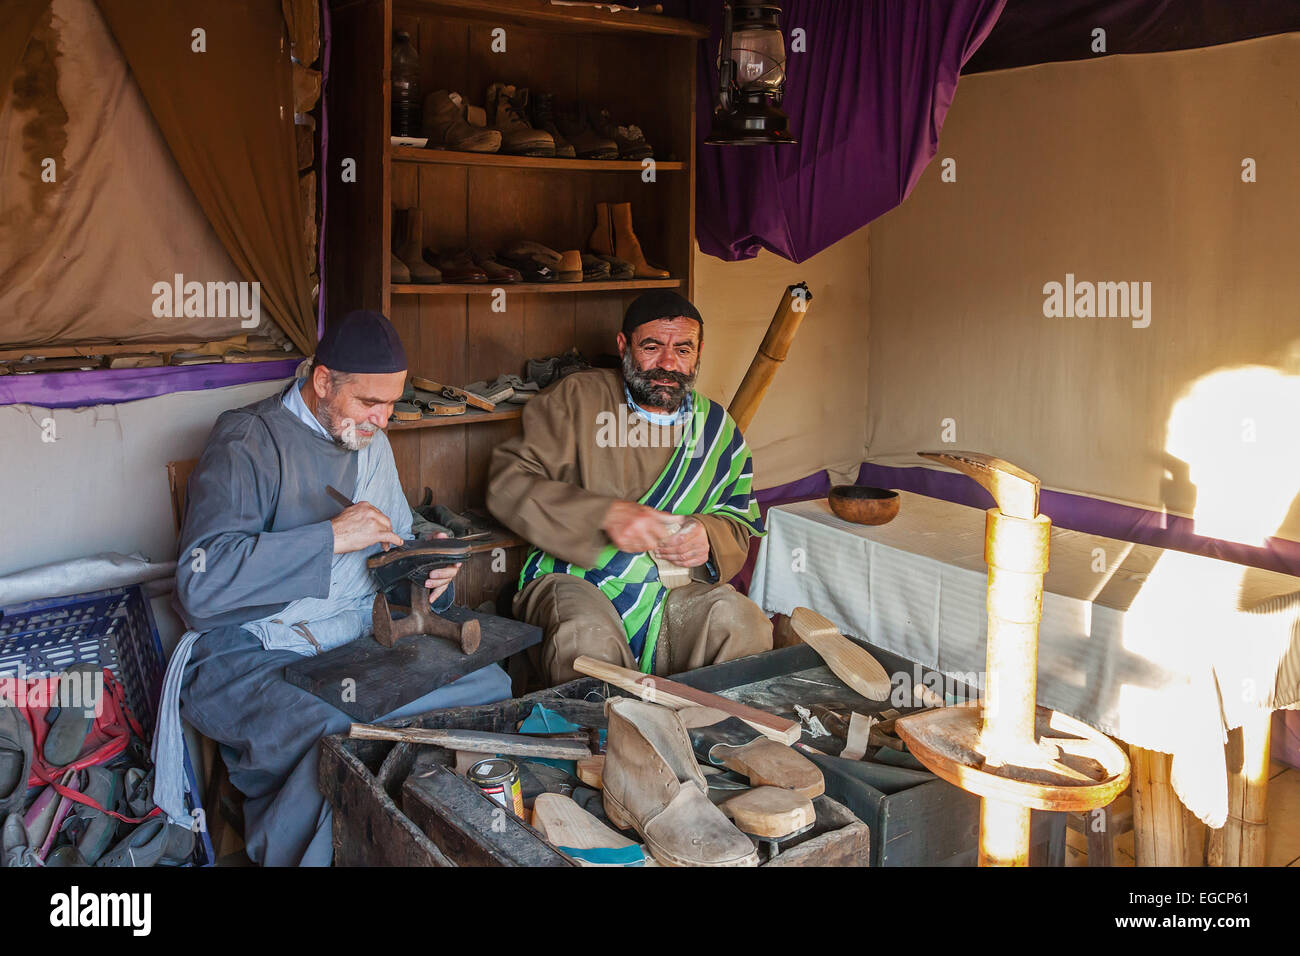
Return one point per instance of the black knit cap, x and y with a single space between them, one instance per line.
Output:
362 341
658 304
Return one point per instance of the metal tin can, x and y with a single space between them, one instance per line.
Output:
498 778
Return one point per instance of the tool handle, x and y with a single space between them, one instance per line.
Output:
659 690
553 748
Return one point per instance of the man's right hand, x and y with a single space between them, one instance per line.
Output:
634 527
360 526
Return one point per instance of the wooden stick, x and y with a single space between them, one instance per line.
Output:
659 690
771 353
520 745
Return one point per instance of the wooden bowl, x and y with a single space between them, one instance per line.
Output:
863 505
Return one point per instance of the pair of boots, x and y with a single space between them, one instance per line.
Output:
614 236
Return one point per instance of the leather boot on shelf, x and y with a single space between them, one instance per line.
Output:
602 237
587 143
398 274
456 265
507 108
446 126
626 244
407 246
486 260
543 118
652 784
630 140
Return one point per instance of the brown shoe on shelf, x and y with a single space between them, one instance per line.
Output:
446 126
407 235
543 118
398 274
507 108
486 260
587 143
594 268
456 265
630 140
619 269
652 784
570 268
626 244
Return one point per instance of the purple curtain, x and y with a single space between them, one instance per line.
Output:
866 101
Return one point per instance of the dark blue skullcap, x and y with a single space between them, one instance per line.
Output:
658 304
362 341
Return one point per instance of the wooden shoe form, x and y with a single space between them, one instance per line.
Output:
565 824
770 812
768 763
848 661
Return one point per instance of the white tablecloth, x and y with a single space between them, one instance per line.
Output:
1161 649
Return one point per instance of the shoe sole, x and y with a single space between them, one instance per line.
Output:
621 819
385 558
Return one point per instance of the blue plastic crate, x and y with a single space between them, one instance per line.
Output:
113 628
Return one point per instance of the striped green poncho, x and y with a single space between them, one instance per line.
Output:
710 472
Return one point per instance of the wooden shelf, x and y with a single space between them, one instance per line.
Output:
544 15
472 417
447 157
487 288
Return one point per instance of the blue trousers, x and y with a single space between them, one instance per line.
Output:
269 731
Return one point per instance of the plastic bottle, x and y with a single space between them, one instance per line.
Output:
406 86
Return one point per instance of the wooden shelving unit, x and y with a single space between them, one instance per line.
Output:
640 66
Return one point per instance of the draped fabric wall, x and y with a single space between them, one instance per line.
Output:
866 101
226 114
1173 170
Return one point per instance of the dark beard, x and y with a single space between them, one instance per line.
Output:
649 395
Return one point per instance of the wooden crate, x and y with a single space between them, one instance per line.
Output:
382 817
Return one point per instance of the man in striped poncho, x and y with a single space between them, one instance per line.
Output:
615 469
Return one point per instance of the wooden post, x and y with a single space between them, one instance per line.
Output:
1248 765
1159 837
771 353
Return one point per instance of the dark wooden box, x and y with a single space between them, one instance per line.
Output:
447 822
914 819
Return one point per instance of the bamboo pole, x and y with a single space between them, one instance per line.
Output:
771 353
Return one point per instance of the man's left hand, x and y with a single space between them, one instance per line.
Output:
688 548
440 578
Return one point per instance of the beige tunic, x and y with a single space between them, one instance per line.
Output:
553 484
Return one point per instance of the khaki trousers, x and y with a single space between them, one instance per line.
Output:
702 624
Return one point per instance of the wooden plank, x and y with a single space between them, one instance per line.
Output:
569 288
541 15
1245 833
479 741
1158 834
846 842
470 827
367 681
369 829
660 690
447 157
